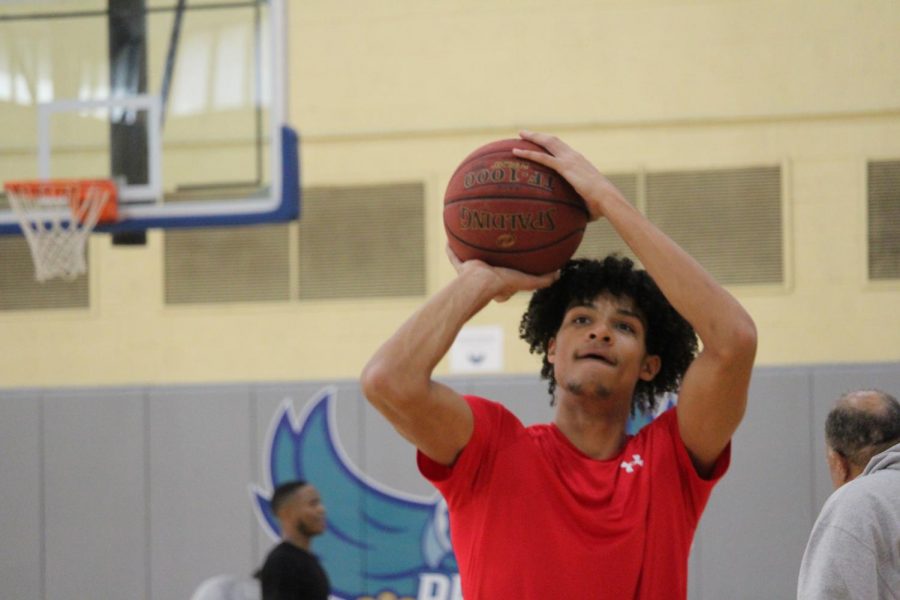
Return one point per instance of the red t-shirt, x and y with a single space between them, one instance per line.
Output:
533 518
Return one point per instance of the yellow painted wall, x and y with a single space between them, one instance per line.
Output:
402 90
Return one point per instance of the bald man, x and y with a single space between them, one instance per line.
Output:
854 548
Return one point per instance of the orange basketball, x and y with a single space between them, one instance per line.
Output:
511 212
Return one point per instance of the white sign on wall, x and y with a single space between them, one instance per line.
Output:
477 349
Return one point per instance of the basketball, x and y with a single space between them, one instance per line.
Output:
511 212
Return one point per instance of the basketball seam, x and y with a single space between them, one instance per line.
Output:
535 249
507 151
582 207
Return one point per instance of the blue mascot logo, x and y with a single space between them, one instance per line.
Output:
379 543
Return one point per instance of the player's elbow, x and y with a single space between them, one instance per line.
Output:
742 341
375 383
745 337
384 388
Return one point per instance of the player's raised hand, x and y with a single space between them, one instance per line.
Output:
587 180
507 281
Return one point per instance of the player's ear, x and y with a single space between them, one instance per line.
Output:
551 350
650 367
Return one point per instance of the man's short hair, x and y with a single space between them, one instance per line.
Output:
283 492
858 434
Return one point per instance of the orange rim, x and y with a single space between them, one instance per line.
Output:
76 190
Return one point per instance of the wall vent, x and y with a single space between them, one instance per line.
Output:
19 290
884 219
730 220
227 264
362 242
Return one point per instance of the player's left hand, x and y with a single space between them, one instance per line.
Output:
589 182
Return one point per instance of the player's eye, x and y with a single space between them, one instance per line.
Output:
627 327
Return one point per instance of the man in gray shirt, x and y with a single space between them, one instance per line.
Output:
854 548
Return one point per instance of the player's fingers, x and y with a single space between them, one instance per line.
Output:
522 282
541 158
454 260
536 282
551 143
546 279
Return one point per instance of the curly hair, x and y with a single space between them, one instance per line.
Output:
668 334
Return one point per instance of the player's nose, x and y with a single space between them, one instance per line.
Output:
599 331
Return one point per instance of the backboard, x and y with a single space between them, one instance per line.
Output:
181 103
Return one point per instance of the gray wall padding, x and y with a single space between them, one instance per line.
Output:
143 493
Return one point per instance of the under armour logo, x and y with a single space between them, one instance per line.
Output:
635 462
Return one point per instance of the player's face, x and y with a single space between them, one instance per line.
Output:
599 350
308 512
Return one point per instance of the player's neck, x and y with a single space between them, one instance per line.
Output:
599 434
296 538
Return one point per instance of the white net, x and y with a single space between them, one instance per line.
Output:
56 219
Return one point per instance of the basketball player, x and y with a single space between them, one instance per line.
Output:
576 508
291 571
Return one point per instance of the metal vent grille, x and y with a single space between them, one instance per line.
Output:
884 219
229 264
358 242
20 291
600 239
729 220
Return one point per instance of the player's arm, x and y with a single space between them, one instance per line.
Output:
713 394
398 379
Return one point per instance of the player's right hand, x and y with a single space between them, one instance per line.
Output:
507 281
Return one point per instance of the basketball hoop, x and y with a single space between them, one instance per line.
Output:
57 216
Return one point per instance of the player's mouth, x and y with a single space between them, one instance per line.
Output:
596 355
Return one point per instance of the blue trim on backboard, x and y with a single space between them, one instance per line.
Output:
287 209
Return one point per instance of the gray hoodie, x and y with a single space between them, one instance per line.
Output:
854 548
